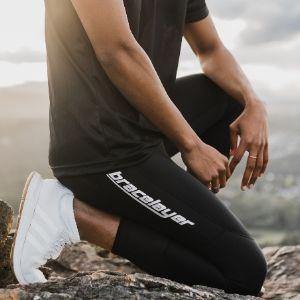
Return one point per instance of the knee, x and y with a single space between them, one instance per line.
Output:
251 269
234 109
255 273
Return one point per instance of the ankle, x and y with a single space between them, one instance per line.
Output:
78 215
95 226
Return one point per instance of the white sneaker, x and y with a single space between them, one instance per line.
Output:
46 223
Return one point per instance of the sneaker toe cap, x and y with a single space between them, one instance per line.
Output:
34 276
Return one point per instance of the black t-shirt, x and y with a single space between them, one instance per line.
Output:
93 128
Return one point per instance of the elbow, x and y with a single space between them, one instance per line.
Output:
207 66
113 54
210 56
210 49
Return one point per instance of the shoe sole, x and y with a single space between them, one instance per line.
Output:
27 207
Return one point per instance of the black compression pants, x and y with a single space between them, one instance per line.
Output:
171 225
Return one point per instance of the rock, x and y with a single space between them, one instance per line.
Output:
6 274
86 257
283 279
114 285
6 220
85 271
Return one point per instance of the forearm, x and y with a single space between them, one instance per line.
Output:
133 74
221 67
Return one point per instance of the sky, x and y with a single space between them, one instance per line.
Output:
264 36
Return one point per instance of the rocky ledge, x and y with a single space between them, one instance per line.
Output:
84 271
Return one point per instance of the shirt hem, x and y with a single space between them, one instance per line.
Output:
102 167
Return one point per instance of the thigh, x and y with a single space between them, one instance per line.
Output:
196 96
162 196
205 106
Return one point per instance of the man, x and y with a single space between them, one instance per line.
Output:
117 115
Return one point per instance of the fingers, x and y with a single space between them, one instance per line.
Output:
219 181
251 163
228 172
266 160
260 166
215 185
233 140
222 178
205 182
257 170
238 155
210 172
209 185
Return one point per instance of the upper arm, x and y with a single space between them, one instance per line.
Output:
202 36
106 24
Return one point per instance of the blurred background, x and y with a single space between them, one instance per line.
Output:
264 36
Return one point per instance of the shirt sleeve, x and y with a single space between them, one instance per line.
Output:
196 11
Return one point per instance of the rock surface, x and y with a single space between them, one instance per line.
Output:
283 279
113 285
84 271
6 220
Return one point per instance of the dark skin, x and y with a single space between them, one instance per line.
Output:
252 126
130 69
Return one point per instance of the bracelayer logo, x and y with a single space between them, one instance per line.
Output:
154 205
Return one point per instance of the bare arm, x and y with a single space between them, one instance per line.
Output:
130 69
217 62
220 66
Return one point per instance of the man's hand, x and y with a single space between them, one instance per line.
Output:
252 128
221 67
207 164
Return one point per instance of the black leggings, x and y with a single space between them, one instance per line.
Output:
171 225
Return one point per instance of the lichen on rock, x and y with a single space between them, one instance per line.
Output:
6 220
283 278
85 271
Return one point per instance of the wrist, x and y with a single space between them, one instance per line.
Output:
256 105
250 99
188 143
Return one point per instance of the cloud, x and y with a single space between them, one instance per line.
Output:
268 32
229 9
266 21
285 55
11 73
22 55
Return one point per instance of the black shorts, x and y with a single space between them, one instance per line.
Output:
171 224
